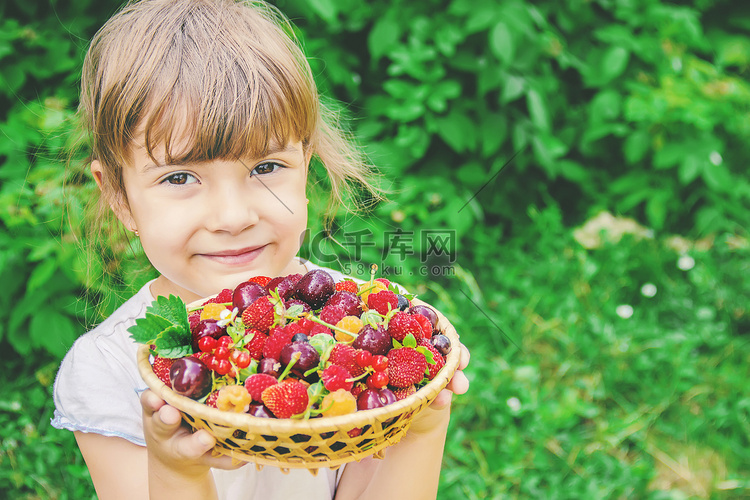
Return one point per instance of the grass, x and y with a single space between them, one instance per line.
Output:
573 395
584 402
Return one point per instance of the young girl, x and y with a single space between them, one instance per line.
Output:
203 118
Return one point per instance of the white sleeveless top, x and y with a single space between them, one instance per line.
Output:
98 388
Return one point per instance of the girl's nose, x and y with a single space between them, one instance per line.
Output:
231 207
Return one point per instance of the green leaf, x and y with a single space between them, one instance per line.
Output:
54 331
148 328
410 341
501 42
538 110
458 131
173 343
383 36
613 63
171 308
326 9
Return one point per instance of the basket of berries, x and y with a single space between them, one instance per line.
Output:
298 371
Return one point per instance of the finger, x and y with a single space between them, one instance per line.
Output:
459 384
151 402
465 358
442 400
194 445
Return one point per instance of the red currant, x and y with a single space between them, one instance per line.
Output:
363 358
221 352
240 358
225 340
207 344
377 380
210 361
379 363
223 366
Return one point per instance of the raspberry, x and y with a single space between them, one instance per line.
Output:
256 344
261 280
406 366
346 286
318 328
367 288
351 324
233 398
403 324
339 402
383 301
194 318
384 281
426 325
436 356
225 296
257 383
335 377
332 314
278 338
161 368
286 399
345 355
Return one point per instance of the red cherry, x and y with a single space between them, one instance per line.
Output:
207 344
241 359
363 358
221 353
223 366
379 363
377 380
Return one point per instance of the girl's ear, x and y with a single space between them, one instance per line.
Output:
116 201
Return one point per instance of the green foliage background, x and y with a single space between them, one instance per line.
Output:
510 123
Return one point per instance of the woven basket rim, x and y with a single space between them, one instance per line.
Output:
360 418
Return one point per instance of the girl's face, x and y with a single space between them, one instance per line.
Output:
211 225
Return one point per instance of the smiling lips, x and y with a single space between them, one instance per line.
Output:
238 257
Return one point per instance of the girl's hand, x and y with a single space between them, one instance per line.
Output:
173 449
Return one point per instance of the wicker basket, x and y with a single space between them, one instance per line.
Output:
307 444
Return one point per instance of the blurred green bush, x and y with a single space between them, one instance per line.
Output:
476 112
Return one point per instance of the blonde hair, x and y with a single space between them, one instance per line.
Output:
207 79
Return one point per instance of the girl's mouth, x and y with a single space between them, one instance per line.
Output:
237 257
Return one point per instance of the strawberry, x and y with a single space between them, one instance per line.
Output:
256 344
278 338
286 399
406 366
383 301
345 355
161 368
426 325
403 324
260 315
261 280
438 358
346 286
404 392
335 377
211 400
257 383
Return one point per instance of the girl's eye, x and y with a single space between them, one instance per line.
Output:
179 178
266 168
